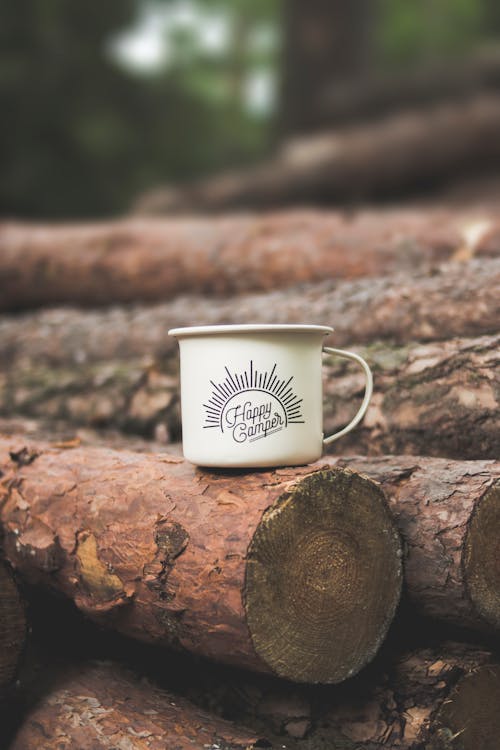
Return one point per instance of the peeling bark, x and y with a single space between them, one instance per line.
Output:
100 705
13 629
222 564
148 260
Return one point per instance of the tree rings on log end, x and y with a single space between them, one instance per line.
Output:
482 557
12 628
323 577
469 719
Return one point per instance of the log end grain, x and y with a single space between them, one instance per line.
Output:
469 719
323 578
482 557
12 628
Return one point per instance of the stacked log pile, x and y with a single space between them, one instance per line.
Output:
281 576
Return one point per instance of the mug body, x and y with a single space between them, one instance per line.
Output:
251 395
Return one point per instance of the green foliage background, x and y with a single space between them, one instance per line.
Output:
82 135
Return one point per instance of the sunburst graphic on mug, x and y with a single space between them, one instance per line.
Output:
252 405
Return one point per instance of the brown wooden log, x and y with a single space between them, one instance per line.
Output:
155 260
100 705
296 571
441 508
437 399
440 698
13 628
448 513
138 396
382 157
456 299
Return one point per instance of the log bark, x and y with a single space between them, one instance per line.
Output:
456 299
448 513
382 158
155 260
222 564
138 396
437 399
13 629
443 698
442 509
101 705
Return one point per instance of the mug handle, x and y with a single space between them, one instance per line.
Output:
366 399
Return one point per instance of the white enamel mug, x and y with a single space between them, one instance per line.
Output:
251 395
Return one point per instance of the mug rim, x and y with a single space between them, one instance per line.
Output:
249 328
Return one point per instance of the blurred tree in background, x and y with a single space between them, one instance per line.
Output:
82 133
67 113
325 42
86 125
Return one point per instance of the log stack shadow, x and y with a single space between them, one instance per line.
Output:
286 578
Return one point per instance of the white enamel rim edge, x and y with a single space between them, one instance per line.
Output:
249 328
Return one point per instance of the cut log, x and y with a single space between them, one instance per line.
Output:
134 260
456 299
384 157
13 628
437 399
137 396
440 399
296 571
101 705
442 698
448 513
441 508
